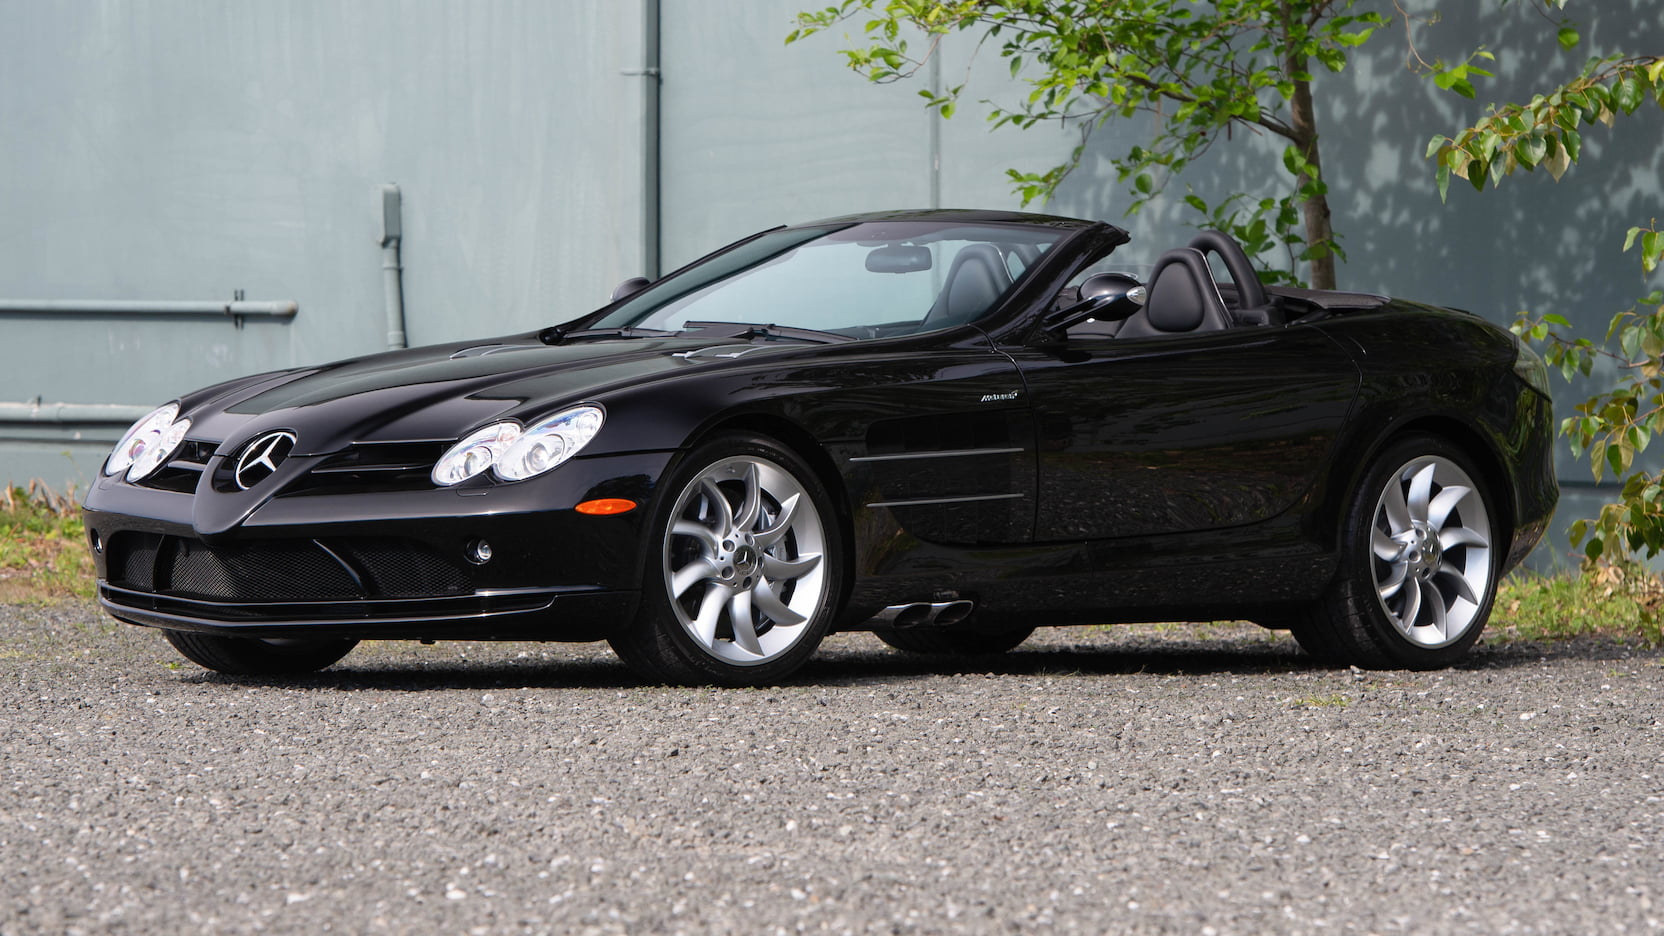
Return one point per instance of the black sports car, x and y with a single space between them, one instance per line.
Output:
946 427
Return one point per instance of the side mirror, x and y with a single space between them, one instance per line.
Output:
1110 297
630 287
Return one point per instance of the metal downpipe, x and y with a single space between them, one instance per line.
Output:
391 271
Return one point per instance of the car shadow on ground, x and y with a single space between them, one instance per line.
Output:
851 667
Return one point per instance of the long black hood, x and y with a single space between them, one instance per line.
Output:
442 391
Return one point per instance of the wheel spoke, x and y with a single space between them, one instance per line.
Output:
770 604
1398 512
1412 606
706 536
720 510
1461 536
788 569
1385 546
767 538
752 505
1434 602
745 626
1394 582
710 610
1439 511
1459 583
1421 491
690 575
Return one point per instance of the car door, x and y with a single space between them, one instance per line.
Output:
945 444
1178 434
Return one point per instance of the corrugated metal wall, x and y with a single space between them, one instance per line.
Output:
191 149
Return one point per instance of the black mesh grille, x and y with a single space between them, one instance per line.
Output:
263 571
284 570
132 559
402 569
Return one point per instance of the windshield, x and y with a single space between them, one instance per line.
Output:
868 280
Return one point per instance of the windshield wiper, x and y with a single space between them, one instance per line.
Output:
557 335
754 330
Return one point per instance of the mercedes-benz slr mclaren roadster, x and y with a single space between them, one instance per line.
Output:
945 427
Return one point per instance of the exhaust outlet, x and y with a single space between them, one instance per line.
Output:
949 613
925 614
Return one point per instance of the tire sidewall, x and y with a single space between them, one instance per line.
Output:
656 621
1356 555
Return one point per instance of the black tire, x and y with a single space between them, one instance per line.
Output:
1418 569
253 656
947 641
785 560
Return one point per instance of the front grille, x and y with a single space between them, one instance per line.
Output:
284 570
372 466
182 471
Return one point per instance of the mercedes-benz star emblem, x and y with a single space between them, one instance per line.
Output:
260 460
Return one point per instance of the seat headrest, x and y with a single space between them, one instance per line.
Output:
1182 294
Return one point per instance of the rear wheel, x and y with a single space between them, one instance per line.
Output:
257 656
746 574
1418 568
947 641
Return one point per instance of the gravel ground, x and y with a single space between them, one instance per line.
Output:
1206 780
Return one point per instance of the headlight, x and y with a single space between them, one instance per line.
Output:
475 453
148 443
550 442
517 454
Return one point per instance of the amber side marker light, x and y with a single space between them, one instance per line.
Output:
606 506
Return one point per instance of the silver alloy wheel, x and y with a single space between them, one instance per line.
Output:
743 560
1431 541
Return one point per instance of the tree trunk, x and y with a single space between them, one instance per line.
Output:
1316 208
1303 120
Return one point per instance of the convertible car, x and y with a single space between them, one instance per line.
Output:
944 427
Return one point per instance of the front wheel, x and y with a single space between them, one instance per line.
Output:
257 656
744 574
1418 565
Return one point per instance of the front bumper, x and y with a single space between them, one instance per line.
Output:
381 564
526 614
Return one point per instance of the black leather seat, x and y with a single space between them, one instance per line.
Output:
1182 299
976 279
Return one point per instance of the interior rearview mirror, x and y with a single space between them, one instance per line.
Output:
898 258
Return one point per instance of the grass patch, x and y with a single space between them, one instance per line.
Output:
43 546
1609 601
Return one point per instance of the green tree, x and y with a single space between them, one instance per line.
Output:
1205 70
1616 425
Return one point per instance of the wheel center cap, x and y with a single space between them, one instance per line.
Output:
745 559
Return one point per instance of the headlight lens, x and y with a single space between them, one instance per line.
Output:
550 442
148 443
517 454
475 453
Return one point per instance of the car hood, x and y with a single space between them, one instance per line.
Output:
442 391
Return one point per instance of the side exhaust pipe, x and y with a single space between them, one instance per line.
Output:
925 614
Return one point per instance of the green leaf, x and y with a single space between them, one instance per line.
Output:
1629 239
1444 182
1144 183
1629 94
1568 37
